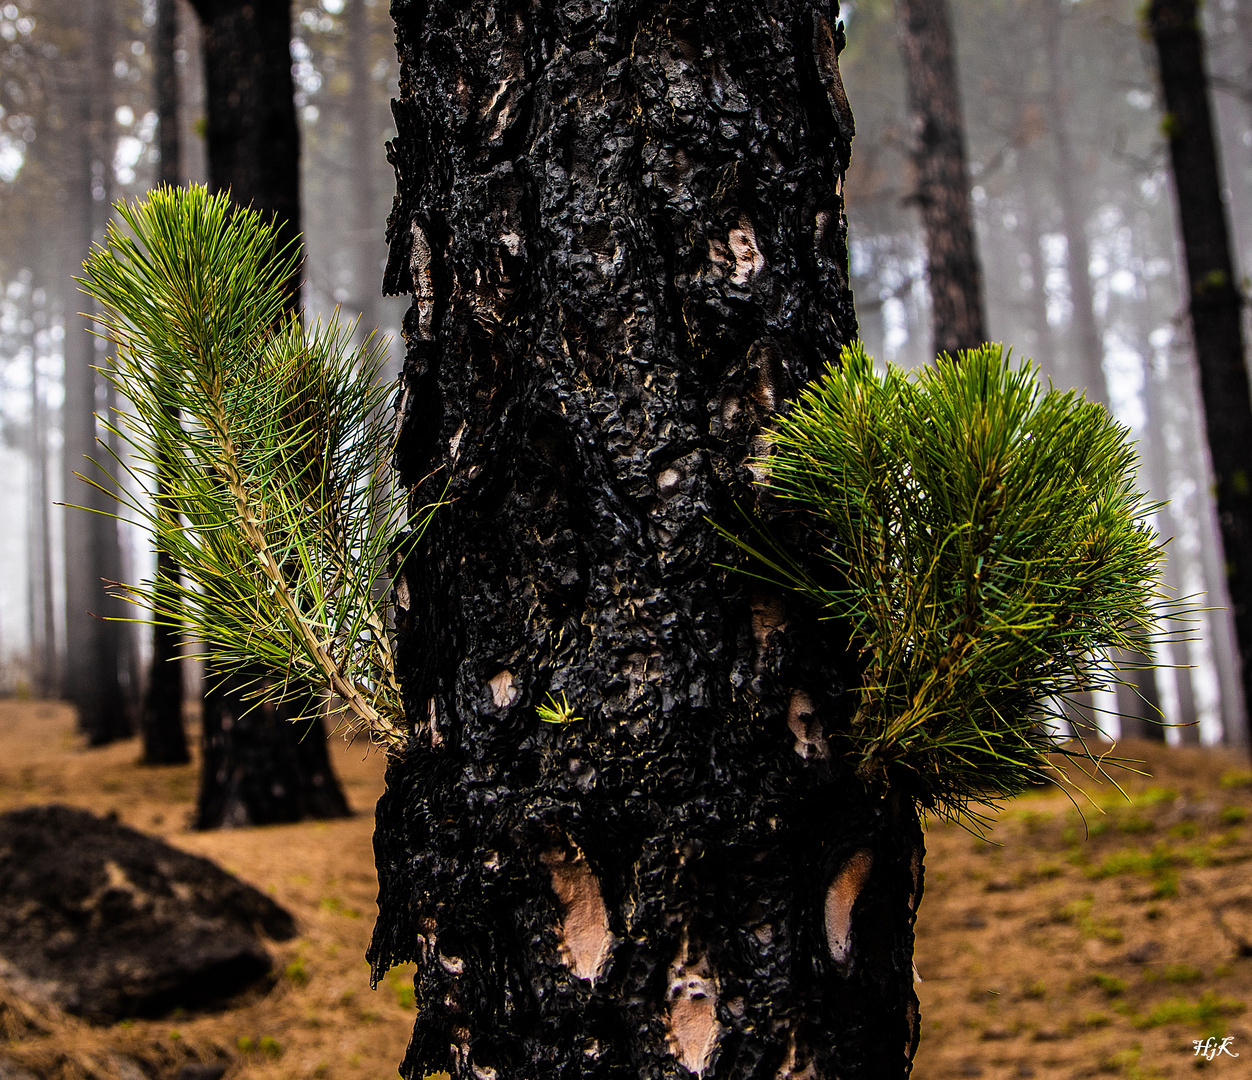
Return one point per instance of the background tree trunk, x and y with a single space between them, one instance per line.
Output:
942 192
253 140
365 148
164 741
91 544
623 232
1214 299
257 767
1087 357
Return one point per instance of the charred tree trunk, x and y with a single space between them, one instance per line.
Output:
164 740
1214 299
253 140
622 228
1087 343
258 767
91 543
924 30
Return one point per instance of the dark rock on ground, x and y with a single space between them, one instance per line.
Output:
107 923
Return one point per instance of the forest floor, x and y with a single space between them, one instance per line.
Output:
1056 950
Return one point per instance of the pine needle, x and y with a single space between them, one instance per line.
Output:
988 548
272 443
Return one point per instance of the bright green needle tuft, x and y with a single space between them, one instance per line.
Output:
555 712
272 445
985 546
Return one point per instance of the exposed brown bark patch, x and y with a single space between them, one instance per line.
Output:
841 897
805 726
691 1025
504 689
585 940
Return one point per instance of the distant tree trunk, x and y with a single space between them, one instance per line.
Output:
1088 345
92 554
365 154
1156 471
259 770
924 29
623 232
258 767
164 740
1214 298
253 140
40 596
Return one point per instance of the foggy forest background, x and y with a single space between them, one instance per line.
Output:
1066 152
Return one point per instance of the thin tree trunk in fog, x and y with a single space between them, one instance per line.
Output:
1156 473
924 31
164 740
1213 297
623 232
366 151
1037 301
257 767
39 544
91 543
1087 344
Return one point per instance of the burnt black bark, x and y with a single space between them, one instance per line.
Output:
258 767
161 722
924 31
1214 298
622 228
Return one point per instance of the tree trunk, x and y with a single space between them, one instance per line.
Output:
164 741
258 767
1087 344
41 586
1215 301
365 147
91 542
924 30
623 232
253 140
258 770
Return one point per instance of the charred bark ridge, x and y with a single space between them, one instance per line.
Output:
942 192
622 228
1213 295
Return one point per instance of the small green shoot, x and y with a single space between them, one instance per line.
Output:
554 712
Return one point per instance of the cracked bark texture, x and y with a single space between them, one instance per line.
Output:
622 228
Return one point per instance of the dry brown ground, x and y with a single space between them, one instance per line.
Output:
1046 954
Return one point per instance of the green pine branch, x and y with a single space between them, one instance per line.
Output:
272 445
986 545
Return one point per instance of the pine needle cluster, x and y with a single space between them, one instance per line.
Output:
986 545
258 456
